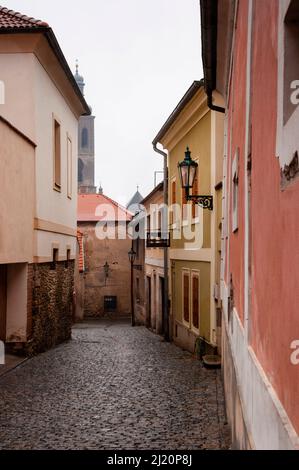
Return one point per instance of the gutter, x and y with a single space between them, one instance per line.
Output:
212 106
165 249
209 21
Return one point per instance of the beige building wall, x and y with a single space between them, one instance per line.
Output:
202 131
52 205
16 227
16 319
17 72
36 218
33 97
154 264
17 205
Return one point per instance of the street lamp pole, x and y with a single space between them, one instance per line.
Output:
132 256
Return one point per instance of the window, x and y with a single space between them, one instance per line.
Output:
184 205
235 191
173 191
287 139
80 170
69 168
173 201
195 191
159 227
68 257
54 259
137 289
186 297
136 243
291 65
84 138
195 300
148 223
57 156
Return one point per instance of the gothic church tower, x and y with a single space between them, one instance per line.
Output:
86 154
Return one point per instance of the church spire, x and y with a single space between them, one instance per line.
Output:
79 79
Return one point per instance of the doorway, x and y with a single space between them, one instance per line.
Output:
149 301
162 301
3 301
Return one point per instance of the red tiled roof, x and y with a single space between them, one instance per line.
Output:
10 19
98 207
81 251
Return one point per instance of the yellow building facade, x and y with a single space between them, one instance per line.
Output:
195 252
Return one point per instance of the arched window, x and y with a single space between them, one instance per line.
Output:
80 170
84 138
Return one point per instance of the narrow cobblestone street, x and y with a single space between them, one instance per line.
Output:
112 387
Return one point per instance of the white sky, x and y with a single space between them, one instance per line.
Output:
138 58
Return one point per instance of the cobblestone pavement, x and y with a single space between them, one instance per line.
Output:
112 387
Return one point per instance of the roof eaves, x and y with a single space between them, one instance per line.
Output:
159 187
119 206
63 62
41 27
196 85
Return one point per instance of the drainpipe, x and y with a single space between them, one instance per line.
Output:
165 197
213 107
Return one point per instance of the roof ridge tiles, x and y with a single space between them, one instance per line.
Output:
22 19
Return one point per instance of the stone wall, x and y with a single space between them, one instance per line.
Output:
80 295
97 284
52 305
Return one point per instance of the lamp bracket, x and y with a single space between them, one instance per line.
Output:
206 202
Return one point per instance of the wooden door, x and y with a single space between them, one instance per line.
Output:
3 301
149 301
162 301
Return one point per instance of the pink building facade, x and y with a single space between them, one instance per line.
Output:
250 57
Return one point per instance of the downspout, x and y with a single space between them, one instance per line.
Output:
213 107
165 200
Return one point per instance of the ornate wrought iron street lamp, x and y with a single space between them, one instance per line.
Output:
106 269
132 256
187 171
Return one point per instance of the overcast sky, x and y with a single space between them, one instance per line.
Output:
138 58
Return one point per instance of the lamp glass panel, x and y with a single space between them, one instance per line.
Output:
192 173
184 175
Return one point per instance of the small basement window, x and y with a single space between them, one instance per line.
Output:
54 259
68 257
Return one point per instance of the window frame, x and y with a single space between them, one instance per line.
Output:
55 258
235 191
84 138
195 274
69 166
56 123
287 142
186 273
